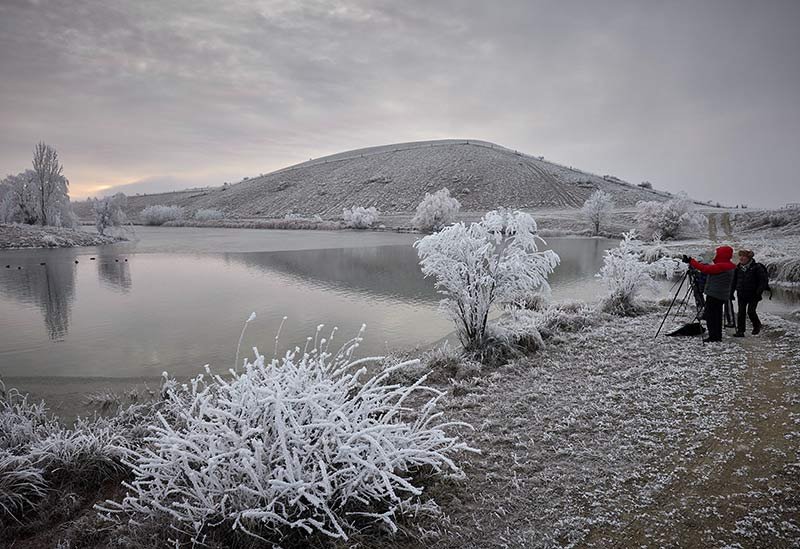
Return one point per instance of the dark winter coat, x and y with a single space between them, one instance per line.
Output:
720 273
749 283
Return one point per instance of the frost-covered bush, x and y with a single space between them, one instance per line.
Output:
108 212
778 219
38 454
495 261
22 486
208 215
597 208
668 219
626 273
435 211
160 214
89 452
359 217
308 443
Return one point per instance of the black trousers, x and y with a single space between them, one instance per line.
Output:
747 308
714 318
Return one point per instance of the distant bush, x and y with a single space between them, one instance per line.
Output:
208 215
303 445
435 211
160 214
668 219
359 217
626 273
646 185
108 212
778 219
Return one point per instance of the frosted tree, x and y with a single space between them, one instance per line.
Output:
19 199
626 272
435 211
495 261
597 208
50 186
359 217
670 218
108 212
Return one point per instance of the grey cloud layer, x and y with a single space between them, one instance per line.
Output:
690 95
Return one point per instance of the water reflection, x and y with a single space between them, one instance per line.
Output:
393 271
114 270
50 287
380 271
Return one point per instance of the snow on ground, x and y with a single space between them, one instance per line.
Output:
608 438
29 236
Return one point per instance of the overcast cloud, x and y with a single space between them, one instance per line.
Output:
698 95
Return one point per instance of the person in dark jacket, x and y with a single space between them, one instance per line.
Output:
750 279
717 288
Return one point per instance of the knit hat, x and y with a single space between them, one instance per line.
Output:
747 253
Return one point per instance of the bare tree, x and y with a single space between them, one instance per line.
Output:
52 188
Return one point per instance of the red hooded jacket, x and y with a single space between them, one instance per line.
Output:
722 262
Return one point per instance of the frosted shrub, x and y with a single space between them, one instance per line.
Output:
359 217
625 273
495 261
89 452
597 208
435 211
160 214
307 444
108 212
22 486
208 215
668 219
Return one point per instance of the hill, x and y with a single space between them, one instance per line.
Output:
394 178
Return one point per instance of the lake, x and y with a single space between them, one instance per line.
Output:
175 299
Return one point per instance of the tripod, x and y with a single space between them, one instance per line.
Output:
694 289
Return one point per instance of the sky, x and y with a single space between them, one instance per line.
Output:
700 96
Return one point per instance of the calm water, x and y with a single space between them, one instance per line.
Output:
176 299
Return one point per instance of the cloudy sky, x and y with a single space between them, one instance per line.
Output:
696 95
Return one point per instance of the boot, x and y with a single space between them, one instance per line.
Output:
756 329
738 334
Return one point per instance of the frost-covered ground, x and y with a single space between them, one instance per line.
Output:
29 236
603 438
610 439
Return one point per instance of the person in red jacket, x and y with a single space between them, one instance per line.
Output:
718 287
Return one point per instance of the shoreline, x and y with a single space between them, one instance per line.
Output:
21 237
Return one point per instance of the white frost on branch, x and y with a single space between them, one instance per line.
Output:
669 219
435 211
495 261
359 217
597 208
307 442
626 272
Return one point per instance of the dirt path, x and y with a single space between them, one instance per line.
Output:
743 487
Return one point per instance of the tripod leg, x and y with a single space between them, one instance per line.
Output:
675 297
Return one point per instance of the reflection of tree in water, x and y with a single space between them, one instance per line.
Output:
51 287
114 271
393 271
